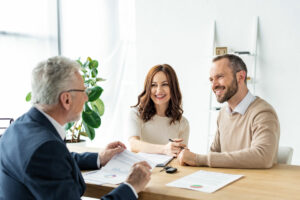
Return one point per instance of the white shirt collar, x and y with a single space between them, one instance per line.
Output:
59 128
243 105
62 133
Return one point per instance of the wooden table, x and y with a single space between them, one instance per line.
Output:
280 182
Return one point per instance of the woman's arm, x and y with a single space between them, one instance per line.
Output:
171 148
185 131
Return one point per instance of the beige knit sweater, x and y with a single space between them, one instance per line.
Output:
245 141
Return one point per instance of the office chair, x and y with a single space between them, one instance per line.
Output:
2 128
285 155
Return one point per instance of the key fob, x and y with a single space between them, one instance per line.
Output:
171 170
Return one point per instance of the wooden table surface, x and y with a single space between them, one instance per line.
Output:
280 182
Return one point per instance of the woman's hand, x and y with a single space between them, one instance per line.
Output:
173 148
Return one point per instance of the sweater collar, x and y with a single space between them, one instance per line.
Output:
243 105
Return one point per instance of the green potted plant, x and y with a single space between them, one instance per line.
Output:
93 109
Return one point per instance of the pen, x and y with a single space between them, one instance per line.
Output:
174 141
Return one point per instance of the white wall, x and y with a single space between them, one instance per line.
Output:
179 32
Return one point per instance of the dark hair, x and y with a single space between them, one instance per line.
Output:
236 63
146 107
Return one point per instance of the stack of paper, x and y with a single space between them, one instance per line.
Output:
159 159
116 170
205 181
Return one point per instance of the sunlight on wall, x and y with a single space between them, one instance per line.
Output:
105 30
26 38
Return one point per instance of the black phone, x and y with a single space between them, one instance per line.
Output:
171 170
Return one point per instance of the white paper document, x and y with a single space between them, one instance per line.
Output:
116 170
160 159
205 181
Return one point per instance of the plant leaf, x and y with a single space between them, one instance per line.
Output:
69 125
93 64
95 92
98 106
89 131
28 97
94 72
93 83
89 82
80 63
90 117
85 64
78 127
83 70
100 79
83 134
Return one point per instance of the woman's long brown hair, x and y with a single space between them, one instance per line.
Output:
146 107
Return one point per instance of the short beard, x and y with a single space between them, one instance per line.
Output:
232 90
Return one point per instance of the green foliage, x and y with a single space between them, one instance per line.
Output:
89 131
98 106
28 97
90 117
93 109
95 93
69 125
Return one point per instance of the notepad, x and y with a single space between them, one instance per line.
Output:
160 160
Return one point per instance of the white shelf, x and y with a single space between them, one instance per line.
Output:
250 61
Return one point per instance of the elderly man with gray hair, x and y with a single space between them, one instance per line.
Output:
34 160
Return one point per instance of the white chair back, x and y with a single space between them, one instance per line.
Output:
285 155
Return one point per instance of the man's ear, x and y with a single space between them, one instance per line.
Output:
65 100
241 76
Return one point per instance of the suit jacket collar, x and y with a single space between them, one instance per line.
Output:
36 115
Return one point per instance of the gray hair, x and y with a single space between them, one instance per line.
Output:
236 63
51 77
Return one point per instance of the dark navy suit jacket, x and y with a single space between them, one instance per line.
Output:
36 164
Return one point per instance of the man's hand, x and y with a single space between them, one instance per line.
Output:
139 176
187 157
111 150
174 148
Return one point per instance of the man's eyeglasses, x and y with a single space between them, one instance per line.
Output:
87 90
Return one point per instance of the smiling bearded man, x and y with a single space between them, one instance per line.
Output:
247 127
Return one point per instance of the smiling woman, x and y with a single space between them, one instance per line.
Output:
157 117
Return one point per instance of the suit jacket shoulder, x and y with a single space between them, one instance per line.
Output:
36 164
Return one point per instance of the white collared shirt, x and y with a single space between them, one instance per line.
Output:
243 105
59 128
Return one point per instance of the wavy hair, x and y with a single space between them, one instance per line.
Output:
146 107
